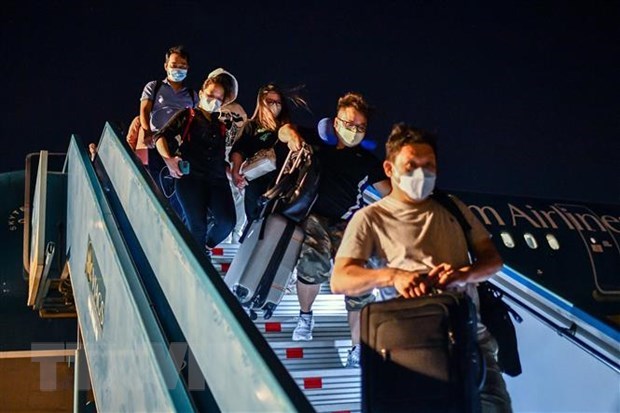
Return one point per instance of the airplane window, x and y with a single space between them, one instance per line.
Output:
553 242
507 239
530 240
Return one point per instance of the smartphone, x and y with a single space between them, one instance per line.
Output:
184 167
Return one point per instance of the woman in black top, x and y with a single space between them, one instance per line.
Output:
261 132
204 190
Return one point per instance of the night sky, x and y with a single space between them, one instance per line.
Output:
524 95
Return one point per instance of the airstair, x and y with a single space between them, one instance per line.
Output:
317 366
159 330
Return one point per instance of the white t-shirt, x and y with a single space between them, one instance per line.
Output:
411 237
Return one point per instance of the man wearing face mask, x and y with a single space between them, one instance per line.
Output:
198 137
346 170
413 235
159 104
160 100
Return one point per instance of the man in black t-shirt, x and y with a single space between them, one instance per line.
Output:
346 170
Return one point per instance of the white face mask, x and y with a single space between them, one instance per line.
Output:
275 109
418 184
349 138
210 104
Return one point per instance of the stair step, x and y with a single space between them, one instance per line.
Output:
316 354
330 389
317 366
326 328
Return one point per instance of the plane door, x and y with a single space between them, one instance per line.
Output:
601 245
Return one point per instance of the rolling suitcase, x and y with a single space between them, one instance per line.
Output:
421 355
261 269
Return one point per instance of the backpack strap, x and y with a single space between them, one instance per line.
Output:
445 200
186 134
158 84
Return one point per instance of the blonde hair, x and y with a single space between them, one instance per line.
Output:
263 117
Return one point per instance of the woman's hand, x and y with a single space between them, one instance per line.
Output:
173 166
239 180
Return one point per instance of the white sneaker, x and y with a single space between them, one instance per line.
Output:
353 358
303 331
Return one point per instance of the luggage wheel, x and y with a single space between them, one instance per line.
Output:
268 310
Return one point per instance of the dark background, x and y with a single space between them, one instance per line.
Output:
524 95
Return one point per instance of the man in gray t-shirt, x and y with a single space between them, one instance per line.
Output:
421 244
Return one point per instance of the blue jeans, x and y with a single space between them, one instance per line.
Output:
208 207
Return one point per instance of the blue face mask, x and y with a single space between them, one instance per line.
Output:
177 75
210 104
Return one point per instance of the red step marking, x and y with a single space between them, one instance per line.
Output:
225 266
313 383
295 353
273 327
217 251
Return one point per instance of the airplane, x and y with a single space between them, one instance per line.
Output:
103 277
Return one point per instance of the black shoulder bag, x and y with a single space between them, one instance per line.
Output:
494 312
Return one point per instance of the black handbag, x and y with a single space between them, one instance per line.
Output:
421 355
495 315
494 312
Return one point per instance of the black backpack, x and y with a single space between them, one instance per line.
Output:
494 312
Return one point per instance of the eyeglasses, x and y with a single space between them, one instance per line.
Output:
352 126
273 102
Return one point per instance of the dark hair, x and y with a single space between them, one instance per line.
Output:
180 50
403 134
356 101
224 80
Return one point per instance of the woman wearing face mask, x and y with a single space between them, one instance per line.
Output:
198 137
260 132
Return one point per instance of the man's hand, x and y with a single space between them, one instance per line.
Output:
447 276
149 142
92 149
295 142
289 135
173 166
410 284
148 138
